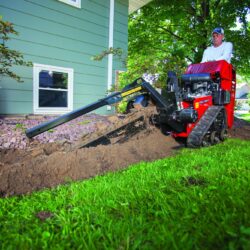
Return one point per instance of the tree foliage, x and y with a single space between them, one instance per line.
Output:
168 35
9 57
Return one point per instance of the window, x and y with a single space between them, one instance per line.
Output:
75 3
53 89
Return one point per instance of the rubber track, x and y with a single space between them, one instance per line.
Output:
196 136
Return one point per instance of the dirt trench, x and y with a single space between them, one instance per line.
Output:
48 165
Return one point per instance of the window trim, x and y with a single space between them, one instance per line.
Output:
77 4
59 110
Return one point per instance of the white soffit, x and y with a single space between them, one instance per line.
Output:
137 4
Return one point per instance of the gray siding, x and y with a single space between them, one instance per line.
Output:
54 33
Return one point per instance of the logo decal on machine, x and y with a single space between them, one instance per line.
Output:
197 104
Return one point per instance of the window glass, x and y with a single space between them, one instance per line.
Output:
53 89
56 80
53 99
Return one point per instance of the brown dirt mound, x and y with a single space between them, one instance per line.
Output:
240 129
45 166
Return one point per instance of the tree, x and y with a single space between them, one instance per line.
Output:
168 35
9 57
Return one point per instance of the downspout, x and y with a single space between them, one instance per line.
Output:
111 43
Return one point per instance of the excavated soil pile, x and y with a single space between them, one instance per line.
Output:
47 165
240 129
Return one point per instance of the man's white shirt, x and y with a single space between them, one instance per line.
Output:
222 52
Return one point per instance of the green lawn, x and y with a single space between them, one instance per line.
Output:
199 199
246 117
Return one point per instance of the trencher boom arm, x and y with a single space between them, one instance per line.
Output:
113 98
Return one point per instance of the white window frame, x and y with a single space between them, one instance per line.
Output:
76 4
58 110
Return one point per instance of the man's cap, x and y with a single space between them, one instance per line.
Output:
218 30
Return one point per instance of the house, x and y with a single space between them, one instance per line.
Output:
241 95
59 37
242 89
